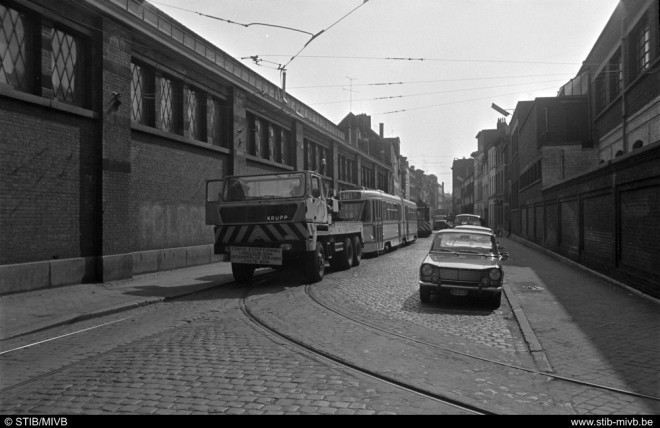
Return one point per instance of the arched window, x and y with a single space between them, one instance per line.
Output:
637 145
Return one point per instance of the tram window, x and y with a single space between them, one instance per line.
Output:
366 211
353 211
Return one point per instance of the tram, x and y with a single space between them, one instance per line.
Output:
388 221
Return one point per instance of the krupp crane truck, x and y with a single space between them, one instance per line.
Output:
278 220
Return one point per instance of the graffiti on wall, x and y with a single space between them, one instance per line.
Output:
171 225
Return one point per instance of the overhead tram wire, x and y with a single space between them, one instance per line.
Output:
426 59
323 31
430 81
441 92
234 22
462 101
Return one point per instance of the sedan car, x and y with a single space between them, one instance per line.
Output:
463 262
471 219
441 224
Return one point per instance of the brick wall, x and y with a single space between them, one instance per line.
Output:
608 219
167 193
48 185
640 235
569 226
539 224
598 230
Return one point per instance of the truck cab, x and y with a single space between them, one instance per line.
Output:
274 219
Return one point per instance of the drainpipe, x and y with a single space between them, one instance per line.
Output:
624 61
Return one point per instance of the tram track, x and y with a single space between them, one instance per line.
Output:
336 360
316 300
347 365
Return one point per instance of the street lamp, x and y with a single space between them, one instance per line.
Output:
499 109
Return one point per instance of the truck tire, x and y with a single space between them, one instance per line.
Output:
315 265
357 251
241 272
346 257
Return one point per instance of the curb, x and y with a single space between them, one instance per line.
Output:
120 307
533 343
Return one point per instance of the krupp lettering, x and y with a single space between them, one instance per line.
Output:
276 217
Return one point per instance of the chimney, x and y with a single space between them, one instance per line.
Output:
382 127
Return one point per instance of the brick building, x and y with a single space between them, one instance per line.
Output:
462 175
582 170
113 115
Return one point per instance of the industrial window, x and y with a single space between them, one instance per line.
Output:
269 141
639 57
67 65
317 157
367 178
16 65
615 71
166 108
142 94
285 147
196 114
22 57
644 49
218 123
382 182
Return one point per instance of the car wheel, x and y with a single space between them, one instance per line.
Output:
316 264
494 300
241 272
424 295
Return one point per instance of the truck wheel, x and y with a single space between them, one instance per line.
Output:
316 264
357 251
242 273
346 256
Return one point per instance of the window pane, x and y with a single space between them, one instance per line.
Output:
66 63
166 105
14 67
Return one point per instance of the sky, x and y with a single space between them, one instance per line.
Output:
428 70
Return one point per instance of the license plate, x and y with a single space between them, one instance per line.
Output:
256 256
458 292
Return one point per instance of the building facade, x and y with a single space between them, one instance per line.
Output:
114 115
579 173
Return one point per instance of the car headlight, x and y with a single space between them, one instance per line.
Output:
427 270
495 274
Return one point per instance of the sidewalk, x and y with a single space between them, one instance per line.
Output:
31 311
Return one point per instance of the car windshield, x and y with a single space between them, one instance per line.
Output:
264 186
464 242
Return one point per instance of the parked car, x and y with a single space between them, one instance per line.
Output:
441 224
463 262
469 219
